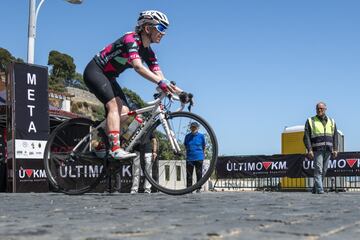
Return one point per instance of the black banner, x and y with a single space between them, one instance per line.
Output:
27 88
86 170
31 111
31 176
289 165
85 174
32 105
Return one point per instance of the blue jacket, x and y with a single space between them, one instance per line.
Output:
195 145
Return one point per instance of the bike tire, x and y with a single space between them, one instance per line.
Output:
60 160
157 180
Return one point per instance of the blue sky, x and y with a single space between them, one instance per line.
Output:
254 67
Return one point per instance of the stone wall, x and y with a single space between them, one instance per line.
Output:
83 96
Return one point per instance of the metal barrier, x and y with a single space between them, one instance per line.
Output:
338 184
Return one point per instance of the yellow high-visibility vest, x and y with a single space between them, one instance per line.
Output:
321 135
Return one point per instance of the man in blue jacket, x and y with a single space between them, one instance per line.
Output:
195 153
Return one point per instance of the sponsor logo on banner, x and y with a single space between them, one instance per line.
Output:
81 171
257 167
29 126
89 171
338 165
284 165
351 162
126 175
29 149
31 175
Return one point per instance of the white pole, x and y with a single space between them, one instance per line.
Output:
31 31
33 14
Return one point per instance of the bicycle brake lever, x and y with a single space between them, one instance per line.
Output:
169 95
191 101
157 95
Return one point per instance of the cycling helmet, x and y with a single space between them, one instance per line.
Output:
153 17
194 124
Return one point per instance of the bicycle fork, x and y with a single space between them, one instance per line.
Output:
170 133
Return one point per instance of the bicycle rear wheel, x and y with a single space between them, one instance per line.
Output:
73 161
170 173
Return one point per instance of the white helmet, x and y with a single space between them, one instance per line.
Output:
152 17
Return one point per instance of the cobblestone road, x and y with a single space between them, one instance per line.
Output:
215 215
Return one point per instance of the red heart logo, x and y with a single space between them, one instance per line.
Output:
351 162
266 164
29 172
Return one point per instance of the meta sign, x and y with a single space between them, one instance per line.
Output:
28 127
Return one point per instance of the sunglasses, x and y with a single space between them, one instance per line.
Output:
160 28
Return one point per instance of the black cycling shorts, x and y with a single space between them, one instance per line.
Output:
100 85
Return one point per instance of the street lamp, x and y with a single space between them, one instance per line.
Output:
33 14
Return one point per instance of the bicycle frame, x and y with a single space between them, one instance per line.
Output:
157 110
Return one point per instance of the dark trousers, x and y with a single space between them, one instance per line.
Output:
190 169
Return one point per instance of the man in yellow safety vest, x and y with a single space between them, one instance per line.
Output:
320 139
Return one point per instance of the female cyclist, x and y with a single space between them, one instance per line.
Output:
129 51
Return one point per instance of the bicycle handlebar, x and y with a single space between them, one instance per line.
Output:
184 98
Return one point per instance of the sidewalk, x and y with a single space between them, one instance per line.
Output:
218 215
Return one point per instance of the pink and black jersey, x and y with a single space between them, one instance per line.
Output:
116 57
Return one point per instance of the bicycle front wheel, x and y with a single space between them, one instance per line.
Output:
74 156
181 172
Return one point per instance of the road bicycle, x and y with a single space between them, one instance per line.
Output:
74 163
